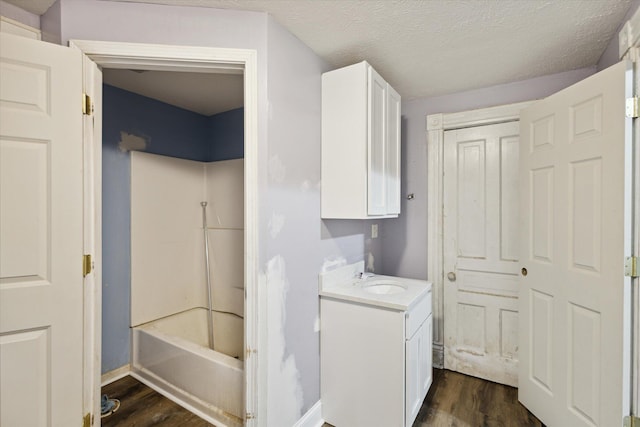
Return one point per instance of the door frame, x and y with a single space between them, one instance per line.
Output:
437 124
629 48
185 59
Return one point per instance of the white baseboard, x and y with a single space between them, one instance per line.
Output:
115 375
438 356
313 417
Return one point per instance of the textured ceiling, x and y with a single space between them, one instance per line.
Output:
433 47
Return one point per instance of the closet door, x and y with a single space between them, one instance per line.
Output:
41 234
575 182
481 251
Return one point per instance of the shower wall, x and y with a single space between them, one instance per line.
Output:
225 194
134 122
167 270
167 252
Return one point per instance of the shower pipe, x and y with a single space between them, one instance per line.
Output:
207 271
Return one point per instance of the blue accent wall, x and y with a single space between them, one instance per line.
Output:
227 135
161 129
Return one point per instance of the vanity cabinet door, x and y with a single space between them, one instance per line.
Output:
426 372
417 370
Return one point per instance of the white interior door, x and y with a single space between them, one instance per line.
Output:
573 363
481 252
41 234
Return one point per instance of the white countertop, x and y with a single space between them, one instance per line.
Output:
344 286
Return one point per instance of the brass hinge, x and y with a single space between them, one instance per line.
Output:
87 105
631 421
87 265
631 107
86 420
631 266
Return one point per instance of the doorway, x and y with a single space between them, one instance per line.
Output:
481 251
185 59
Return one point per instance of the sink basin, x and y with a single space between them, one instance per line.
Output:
384 287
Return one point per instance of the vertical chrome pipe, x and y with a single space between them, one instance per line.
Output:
207 272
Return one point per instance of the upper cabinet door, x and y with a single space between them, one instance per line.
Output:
392 156
360 145
376 144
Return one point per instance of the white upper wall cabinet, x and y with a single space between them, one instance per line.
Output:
360 145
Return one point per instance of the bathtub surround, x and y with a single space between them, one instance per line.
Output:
169 300
172 355
167 268
131 121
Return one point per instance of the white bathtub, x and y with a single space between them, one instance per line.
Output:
171 356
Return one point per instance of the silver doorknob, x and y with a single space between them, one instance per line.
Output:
451 276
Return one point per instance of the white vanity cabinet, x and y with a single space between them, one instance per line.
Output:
376 362
360 144
418 369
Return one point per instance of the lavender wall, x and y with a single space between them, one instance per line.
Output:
299 243
17 14
404 240
295 245
611 54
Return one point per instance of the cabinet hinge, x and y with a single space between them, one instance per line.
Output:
87 265
631 107
631 421
87 105
249 416
86 420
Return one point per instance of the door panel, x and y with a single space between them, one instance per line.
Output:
392 160
376 181
572 170
481 247
41 284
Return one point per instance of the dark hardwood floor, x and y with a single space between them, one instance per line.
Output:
457 400
454 400
142 406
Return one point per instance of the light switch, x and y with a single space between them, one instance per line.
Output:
374 231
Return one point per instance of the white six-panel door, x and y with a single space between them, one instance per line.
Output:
41 234
481 251
572 326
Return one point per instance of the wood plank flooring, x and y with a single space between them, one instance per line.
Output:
141 406
454 400
457 400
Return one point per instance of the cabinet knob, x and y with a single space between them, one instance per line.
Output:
524 271
451 276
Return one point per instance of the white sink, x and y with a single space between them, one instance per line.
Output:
384 287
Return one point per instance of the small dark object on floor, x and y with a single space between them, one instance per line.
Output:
108 406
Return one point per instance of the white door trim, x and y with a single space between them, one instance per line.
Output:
633 305
200 59
437 124
629 47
